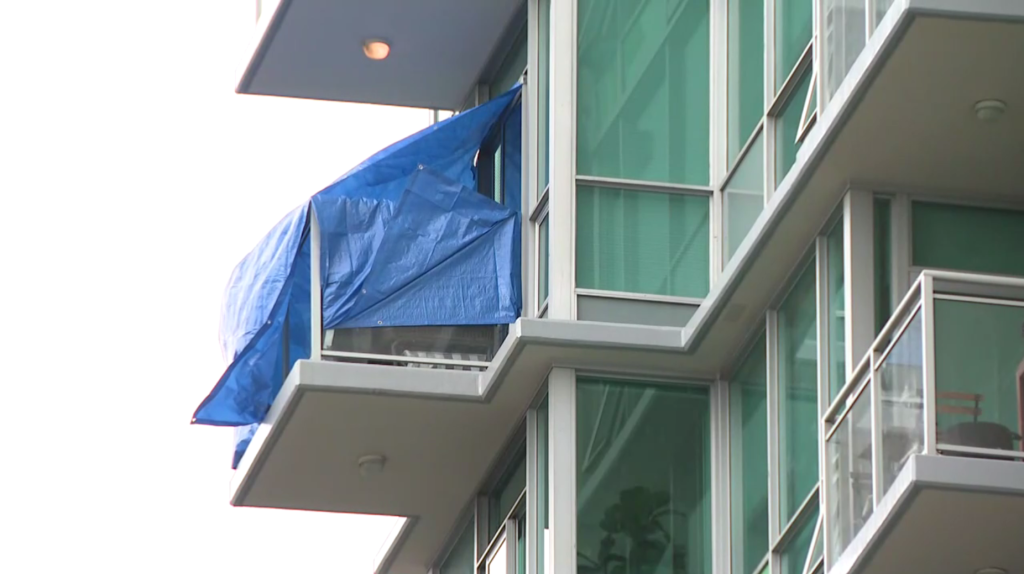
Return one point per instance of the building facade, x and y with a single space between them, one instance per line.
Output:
773 302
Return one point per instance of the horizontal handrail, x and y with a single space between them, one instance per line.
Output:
404 359
900 318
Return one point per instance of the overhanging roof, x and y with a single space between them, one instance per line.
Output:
313 49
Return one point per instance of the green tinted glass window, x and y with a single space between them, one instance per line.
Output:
798 394
793 29
642 242
788 127
836 311
883 261
744 197
794 556
746 71
966 238
542 485
511 68
748 416
507 493
643 90
543 93
643 478
460 559
543 253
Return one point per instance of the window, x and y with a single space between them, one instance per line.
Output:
836 284
460 559
643 95
749 459
644 482
744 197
543 254
499 165
542 486
507 492
798 394
883 261
794 555
746 71
788 127
642 242
793 31
964 238
511 68
543 93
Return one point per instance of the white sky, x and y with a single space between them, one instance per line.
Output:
132 179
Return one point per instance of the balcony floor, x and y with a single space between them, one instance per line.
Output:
944 515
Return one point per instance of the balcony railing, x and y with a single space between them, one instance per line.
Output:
944 377
450 347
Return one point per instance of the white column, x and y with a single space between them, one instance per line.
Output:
859 272
562 469
561 214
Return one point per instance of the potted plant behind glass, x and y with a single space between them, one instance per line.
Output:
635 521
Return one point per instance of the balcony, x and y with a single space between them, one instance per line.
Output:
924 462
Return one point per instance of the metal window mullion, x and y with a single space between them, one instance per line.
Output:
824 370
769 96
532 493
562 468
928 342
720 479
481 527
315 289
772 344
719 138
875 385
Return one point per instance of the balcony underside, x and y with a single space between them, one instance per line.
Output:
944 515
903 120
313 49
439 429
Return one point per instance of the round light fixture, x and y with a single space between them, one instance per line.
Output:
376 49
989 110
990 570
371 465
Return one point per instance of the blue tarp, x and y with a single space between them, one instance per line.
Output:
406 240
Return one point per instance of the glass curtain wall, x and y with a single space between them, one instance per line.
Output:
798 394
642 104
643 477
767 117
748 464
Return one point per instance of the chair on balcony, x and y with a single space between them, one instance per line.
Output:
975 433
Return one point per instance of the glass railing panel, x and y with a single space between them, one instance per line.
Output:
900 378
849 473
844 39
979 388
456 347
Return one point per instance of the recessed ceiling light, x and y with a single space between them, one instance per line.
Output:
989 110
376 49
